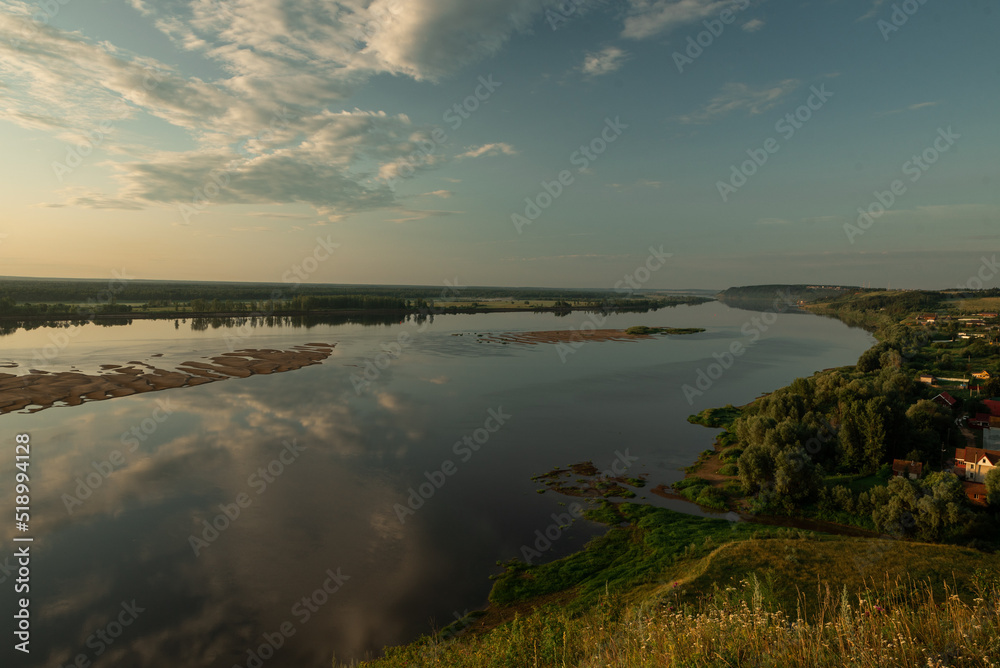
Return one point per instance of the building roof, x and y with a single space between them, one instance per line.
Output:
983 418
959 454
974 489
950 400
994 406
975 455
907 467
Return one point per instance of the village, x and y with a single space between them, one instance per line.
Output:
971 394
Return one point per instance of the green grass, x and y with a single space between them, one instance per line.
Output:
855 483
667 589
623 558
717 418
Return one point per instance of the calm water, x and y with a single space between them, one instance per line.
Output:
333 505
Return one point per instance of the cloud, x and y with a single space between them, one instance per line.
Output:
871 12
641 183
487 150
280 216
648 18
605 61
753 25
741 97
410 215
912 107
444 194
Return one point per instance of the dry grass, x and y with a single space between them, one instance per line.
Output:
897 623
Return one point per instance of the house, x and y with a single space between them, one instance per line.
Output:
993 405
975 463
905 468
927 379
948 401
981 421
982 375
928 318
976 491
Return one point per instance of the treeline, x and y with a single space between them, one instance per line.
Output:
141 291
769 292
9 307
852 423
880 310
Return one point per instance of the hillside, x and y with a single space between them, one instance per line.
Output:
665 589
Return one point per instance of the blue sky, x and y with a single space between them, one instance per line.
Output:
201 139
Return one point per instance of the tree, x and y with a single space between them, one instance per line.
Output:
873 427
930 509
993 486
850 439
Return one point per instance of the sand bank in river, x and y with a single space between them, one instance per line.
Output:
563 336
582 335
41 389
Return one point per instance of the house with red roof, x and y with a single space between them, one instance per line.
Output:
948 401
975 463
905 468
994 406
980 421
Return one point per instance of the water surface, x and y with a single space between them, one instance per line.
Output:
334 506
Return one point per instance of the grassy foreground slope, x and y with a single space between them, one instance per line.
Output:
666 589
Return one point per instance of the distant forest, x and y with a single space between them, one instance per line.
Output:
33 298
136 291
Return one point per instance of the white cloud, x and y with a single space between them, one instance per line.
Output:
444 194
266 122
489 150
605 61
753 25
912 107
741 97
873 11
648 18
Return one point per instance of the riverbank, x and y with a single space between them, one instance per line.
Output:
657 569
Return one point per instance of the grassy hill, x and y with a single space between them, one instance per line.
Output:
665 589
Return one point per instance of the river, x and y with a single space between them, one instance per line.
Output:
349 512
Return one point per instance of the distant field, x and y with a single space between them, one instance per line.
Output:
976 305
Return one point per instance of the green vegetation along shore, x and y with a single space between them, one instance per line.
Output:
660 588
31 300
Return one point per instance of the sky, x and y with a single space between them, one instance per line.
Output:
682 143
